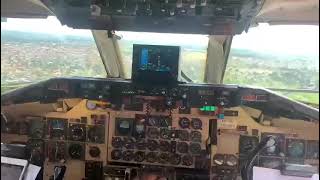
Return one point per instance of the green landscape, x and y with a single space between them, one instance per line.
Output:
32 57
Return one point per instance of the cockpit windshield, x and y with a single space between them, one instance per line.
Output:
281 58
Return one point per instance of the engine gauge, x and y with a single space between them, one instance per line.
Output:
164 146
128 155
183 135
91 105
165 121
128 143
141 144
247 144
175 159
116 142
76 151
195 148
116 154
153 121
151 157
278 148
219 159
196 123
184 122
163 158
139 156
153 133
77 132
231 160
165 133
295 148
195 136
182 147
152 145
96 134
187 160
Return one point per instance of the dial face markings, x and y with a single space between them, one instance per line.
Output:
184 123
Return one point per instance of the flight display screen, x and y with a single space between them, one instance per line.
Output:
155 64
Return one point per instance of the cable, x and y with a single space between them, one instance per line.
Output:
265 143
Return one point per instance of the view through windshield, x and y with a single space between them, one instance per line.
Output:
277 57
33 50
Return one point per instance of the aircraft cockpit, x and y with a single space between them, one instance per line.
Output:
179 89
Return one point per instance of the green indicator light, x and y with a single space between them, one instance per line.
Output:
208 108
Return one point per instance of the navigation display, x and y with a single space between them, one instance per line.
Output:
155 64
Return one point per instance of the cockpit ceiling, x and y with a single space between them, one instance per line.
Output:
273 11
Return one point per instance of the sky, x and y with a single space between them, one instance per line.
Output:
289 39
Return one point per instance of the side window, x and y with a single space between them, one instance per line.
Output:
282 58
33 50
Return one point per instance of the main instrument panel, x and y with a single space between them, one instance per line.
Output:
111 128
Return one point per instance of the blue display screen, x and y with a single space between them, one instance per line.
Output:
144 57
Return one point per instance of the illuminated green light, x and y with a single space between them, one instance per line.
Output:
208 108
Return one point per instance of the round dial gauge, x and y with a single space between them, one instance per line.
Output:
164 158
116 154
183 135
165 133
96 134
187 160
218 159
184 122
153 133
152 145
153 121
195 136
139 156
128 143
141 145
91 105
77 133
196 123
195 148
75 151
94 151
231 160
151 157
175 159
128 155
164 146
116 142
182 147
296 149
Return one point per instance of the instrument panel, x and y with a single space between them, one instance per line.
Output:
112 128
